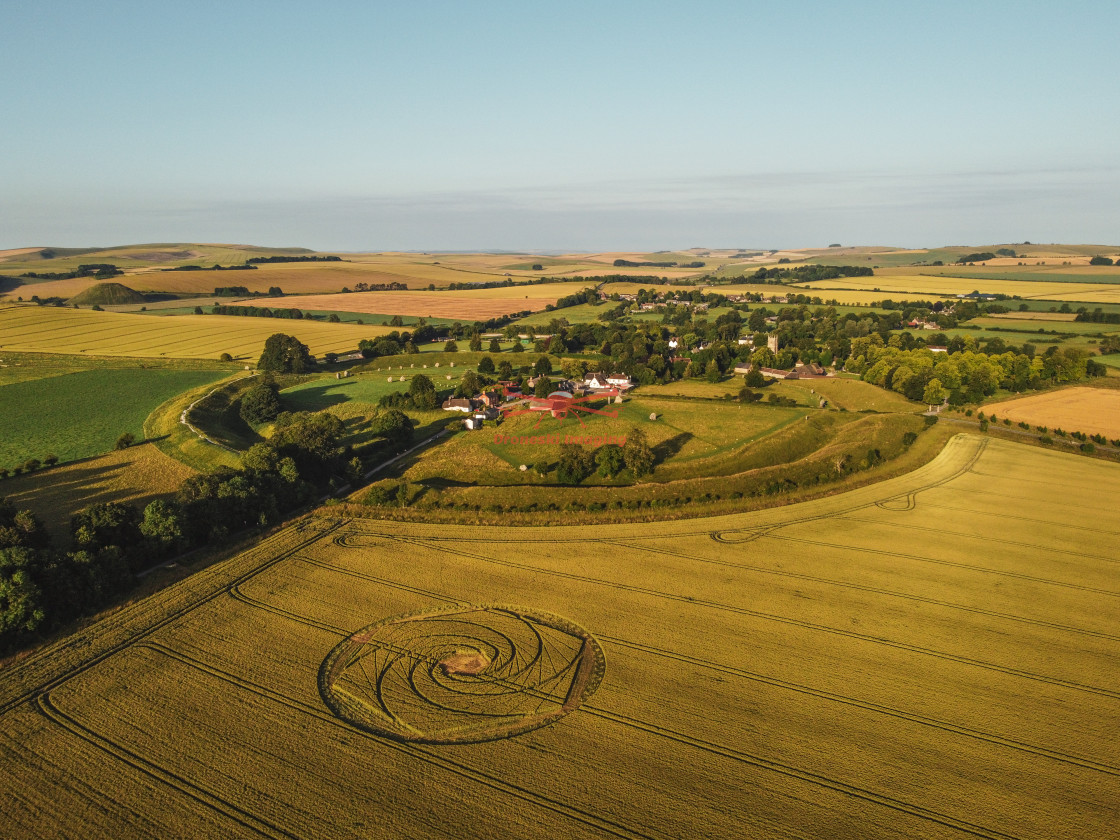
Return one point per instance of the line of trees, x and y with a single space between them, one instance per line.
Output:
292 259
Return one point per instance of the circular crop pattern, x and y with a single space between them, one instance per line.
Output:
461 674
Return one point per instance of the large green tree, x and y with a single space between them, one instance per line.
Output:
285 354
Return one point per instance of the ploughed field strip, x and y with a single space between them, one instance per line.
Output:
935 656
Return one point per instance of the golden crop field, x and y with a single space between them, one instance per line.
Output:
897 284
51 329
935 656
138 475
1093 411
464 304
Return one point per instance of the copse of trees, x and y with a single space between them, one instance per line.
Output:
298 258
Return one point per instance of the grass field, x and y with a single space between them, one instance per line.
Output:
50 329
78 414
934 657
137 475
1093 411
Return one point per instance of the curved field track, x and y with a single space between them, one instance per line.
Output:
935 656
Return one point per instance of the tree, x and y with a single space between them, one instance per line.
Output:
934 393
505 370
542 367
285 354
393 425
423 393
469 385
495 346
475 343
610 460
317 432
637 454
543 387
451 346
105 524
486 365
260 404
21 602
576 463
126 440
163 524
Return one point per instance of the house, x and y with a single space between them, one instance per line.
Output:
933 349
809 371
460 404
775 373
492 399
603 382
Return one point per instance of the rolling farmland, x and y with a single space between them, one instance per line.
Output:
50 329
934 656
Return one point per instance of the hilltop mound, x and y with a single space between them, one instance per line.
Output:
108 294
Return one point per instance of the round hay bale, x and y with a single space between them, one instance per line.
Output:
523 467
653 417
390 379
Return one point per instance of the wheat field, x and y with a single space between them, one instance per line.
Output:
52 329
935 656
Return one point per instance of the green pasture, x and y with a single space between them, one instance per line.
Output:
584 313
81 413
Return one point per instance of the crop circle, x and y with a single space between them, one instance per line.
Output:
461 674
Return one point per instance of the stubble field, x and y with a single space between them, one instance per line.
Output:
934 656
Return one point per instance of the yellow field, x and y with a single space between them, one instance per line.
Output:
466 305
138 475
50 329
932 657
892 283
1090 410
1035 316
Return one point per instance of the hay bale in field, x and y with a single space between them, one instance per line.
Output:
653 417
390 379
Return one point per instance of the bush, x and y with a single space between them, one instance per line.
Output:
1046 440
126 440
1088 448
983 425
225 357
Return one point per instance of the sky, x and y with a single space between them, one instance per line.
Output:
576 126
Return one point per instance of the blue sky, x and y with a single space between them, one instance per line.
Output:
589 126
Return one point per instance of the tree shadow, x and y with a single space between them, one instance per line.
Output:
671 447
316 399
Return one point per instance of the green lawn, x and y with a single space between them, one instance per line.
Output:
82 413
